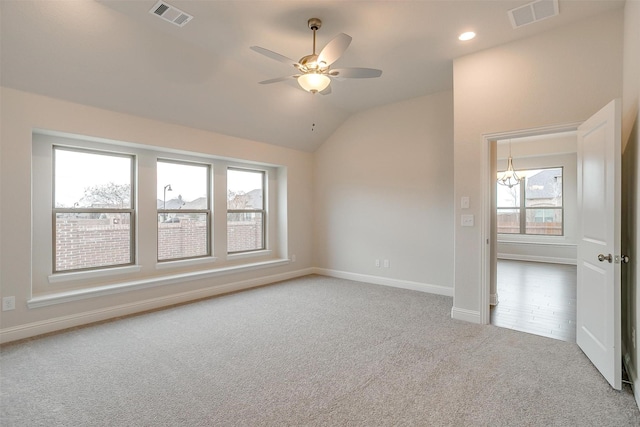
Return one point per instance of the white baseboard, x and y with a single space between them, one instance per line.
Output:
386 281
536 258
471 316
59 323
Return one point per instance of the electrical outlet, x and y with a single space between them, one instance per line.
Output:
8 303
378 263
386 263
293 258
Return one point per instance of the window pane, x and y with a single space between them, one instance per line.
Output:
89 240
544 188
508 221
182 236
182 186
244 231
508 197
92 180
544 221
245 189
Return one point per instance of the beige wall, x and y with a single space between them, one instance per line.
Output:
631 188
383 190
22 112
562 76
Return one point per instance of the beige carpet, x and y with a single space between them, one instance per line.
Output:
313 351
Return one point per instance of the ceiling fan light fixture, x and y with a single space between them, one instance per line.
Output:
314 82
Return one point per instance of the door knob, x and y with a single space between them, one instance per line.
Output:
602 258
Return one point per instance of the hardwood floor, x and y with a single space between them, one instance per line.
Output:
537 298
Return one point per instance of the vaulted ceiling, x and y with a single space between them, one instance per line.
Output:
114 54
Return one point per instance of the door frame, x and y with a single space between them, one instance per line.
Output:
488 235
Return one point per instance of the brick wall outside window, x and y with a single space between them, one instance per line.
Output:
84 243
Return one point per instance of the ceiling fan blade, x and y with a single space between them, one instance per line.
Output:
355 73
334 49
276 80
273 55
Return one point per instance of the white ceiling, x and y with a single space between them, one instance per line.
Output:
114 54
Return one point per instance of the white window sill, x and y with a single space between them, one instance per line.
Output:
99 291
185 262
550 241
246 255
90 274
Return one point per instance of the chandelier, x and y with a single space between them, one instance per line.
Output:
509 178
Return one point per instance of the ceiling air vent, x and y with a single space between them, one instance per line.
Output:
533 12
171 14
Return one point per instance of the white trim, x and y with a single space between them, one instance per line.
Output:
526 242
486 244
98 291
537 258
484 312
493 299
80 319
471 316
90 274
386 281
250 254
160 265
568 127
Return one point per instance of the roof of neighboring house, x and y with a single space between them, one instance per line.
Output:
543 185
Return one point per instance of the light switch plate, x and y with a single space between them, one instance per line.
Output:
464 202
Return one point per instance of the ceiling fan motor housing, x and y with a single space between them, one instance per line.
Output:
314 23
310 64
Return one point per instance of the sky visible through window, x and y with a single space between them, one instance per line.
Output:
243 181
186 180
77 170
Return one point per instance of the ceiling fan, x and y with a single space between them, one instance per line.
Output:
314 71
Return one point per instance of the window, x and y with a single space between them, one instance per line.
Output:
184 210
111 216
534 206
93 215
246 214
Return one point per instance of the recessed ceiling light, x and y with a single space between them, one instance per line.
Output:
466 36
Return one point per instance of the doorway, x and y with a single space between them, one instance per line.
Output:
598 256
533 226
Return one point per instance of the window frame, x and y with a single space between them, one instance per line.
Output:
131 210
207 211
263 211
523 208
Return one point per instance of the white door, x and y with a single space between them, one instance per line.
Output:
598 294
